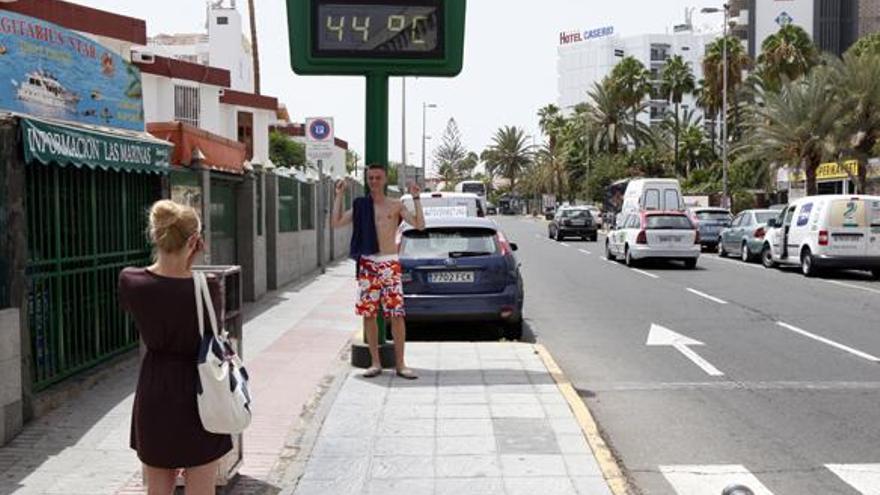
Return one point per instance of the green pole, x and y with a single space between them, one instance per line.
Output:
377 142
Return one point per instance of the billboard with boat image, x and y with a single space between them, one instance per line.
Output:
49 71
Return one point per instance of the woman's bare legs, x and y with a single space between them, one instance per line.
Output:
200 480
160 481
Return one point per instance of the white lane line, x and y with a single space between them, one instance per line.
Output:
851 286
564 244
707 296
865 478
710 479
734 262
830 342
539 236
647 274
584 251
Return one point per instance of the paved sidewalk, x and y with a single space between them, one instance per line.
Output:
294 344
483 419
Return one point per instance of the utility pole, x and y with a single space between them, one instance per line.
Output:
425 107
401 172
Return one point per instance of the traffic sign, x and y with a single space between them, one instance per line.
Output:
319 138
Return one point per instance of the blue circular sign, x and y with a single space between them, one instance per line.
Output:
319 129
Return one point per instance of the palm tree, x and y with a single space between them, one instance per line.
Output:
508 155
677 80
609 116
794 125
551 122
692 139
255 52
712 86
633 83
857 83
787 55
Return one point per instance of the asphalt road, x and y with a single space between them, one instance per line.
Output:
782 395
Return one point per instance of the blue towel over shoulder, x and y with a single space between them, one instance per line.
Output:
364 240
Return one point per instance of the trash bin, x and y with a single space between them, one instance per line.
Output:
224 282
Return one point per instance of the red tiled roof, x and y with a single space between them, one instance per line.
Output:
232 97
84 19
220 153
180 69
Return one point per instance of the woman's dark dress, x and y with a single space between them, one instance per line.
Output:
166 430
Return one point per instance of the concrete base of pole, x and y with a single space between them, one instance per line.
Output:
360 355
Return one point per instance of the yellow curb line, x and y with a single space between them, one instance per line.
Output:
607 463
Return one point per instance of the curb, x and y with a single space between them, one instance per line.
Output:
611 470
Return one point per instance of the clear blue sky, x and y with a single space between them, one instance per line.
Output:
509 71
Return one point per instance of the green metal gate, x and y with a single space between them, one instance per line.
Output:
84 226
223 222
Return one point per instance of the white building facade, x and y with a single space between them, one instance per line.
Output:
584 61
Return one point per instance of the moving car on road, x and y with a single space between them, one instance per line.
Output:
829 231
745 235
654 235
461 269
573 221
711 221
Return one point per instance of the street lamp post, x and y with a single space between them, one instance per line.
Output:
401 172
725 193
425 107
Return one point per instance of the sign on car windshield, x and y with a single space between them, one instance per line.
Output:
446 211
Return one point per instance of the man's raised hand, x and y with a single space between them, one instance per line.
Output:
340 186
414 189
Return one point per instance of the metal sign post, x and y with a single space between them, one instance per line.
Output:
376 39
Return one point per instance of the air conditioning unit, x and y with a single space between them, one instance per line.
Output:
142 57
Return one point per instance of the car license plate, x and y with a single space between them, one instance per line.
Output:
451 278
578 222
669 238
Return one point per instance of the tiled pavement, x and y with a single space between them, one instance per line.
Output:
292 340
484 418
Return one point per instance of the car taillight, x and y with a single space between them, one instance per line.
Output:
642 238
696 236
503 244
823 237
759 233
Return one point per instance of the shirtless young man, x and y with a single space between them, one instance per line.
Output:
379 274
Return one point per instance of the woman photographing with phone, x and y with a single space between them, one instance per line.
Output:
166 430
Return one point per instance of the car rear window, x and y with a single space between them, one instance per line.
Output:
448 242
715 216
763 216
848 213
669 222
575 213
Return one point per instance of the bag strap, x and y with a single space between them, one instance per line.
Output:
206 295
200 312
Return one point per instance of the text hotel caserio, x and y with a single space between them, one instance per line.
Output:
568 37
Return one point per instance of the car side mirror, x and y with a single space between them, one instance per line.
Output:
513 246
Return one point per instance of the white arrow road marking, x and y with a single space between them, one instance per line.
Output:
711 479
662 336
830 342
865 478
647 274
707 296
584 251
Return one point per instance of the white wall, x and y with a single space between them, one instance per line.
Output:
159 102
227 48
767 11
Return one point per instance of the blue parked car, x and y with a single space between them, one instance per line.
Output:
461 269
710 221
745 236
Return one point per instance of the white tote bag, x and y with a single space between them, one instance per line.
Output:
222 392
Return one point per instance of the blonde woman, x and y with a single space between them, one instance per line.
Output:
166 430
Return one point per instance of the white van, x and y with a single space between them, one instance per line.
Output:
447 204
833 231
651 195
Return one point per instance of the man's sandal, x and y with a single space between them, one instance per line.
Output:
372 372
407 374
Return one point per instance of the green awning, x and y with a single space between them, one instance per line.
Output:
97 148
